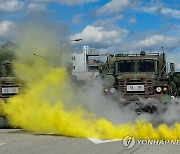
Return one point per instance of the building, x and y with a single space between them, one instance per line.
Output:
79 60
85 66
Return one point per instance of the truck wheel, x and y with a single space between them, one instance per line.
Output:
4 123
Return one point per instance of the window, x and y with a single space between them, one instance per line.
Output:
74 67
146 66
126 66
73 58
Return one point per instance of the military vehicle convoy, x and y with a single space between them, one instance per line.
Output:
131 77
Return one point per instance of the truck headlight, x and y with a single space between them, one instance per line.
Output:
158 89
165 89
106 90
172 97
112 90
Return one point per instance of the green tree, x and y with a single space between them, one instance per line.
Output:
177 82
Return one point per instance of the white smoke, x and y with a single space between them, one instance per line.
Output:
91 96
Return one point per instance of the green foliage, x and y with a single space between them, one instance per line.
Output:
177 82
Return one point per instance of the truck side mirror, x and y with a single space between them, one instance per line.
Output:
172 68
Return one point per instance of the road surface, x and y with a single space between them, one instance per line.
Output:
18 141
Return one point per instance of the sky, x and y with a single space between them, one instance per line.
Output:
111 26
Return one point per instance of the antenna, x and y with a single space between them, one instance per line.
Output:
162 49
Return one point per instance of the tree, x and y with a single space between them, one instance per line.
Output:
177 82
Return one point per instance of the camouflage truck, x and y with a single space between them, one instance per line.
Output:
9 84
131 77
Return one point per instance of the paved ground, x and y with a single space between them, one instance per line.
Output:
17 141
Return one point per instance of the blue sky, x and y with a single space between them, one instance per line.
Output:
107 25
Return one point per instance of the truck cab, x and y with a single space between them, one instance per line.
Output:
9 84
138 76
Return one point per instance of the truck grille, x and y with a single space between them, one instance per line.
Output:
146 82
12 86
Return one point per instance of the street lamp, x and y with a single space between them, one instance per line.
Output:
76 40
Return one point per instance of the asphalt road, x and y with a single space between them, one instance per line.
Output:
17 141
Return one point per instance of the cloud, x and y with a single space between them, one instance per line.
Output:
153 9
171 12
36 7
150 43
11 5
68 2
159 40
101 36
116 7
6 29
105 35
162 10
132 20
108 22
77 19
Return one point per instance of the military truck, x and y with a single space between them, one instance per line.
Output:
9 84
131 77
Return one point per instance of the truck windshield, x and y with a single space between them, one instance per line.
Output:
146 66
126 66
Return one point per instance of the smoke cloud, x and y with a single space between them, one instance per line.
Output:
51 103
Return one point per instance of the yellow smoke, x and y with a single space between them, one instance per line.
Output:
48 103
41 107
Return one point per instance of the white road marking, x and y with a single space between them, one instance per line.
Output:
98 141
2 144
50 133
